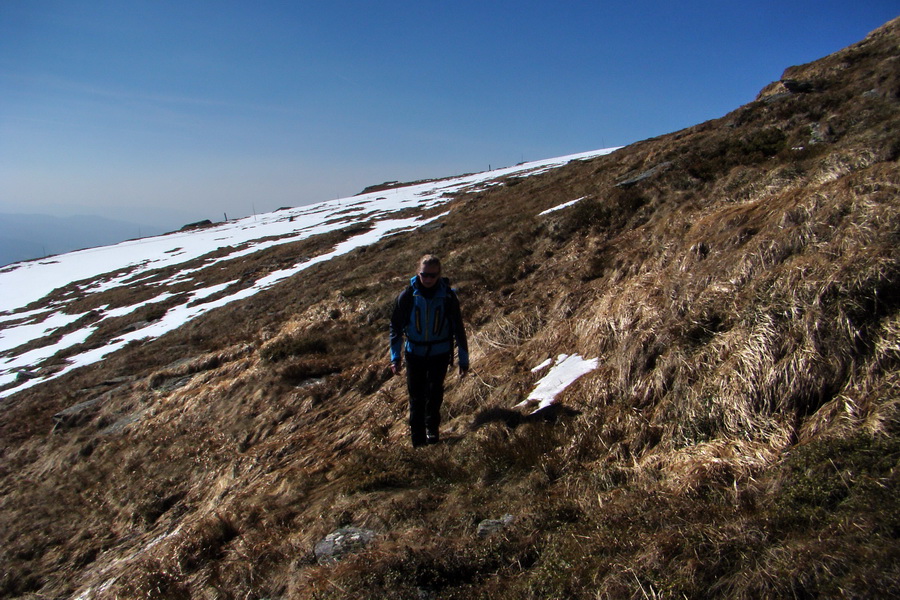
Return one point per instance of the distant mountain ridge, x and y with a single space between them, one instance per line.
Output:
32 236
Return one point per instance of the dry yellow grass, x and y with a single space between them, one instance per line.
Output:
739 438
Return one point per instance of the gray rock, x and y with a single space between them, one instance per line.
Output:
171 384
136 326
433 226
120 425
776 97
491 526
338 544
77 414
25 375
820 133
645 175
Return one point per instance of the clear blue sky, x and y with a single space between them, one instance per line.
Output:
221 106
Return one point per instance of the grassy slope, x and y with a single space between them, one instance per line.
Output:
739 438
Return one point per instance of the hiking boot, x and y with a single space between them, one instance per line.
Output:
432 438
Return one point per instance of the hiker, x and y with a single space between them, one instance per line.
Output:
427 314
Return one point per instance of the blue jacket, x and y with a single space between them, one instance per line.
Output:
430 320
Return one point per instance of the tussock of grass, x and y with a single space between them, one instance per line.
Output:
292 344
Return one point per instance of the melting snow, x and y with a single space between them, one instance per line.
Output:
563 374
543 365
131 262
562 206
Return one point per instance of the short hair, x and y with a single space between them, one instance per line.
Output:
429 260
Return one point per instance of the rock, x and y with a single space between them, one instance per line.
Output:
76 414
489 527
796 86
821 133
136 326
345 540
433 226
170 384
877 93
645 175
776 97
198 225
25 375
120 425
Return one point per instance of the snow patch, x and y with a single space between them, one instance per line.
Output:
133 262
543 365
567 370
562 206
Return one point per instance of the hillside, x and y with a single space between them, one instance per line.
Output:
737 282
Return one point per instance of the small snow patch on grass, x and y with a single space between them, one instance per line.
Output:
565 372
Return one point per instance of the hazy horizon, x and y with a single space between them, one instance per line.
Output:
172 113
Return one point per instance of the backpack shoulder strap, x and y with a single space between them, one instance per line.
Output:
405 301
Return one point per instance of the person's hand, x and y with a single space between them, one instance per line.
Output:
396 368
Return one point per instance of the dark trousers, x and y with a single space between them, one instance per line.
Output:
425 381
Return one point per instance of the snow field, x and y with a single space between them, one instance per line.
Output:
130 263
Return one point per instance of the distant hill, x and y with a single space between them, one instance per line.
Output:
30 236
210 420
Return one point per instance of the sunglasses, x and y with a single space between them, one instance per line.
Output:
428 275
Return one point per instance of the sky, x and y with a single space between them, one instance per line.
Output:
157 111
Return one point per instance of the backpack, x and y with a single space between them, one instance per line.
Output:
428 330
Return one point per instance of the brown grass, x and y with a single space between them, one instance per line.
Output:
739 438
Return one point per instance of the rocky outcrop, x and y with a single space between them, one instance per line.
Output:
341 542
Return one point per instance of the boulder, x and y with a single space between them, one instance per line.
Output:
198 225
645 175
77 414
338 544
489 527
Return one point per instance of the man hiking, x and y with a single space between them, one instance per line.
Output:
427 314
